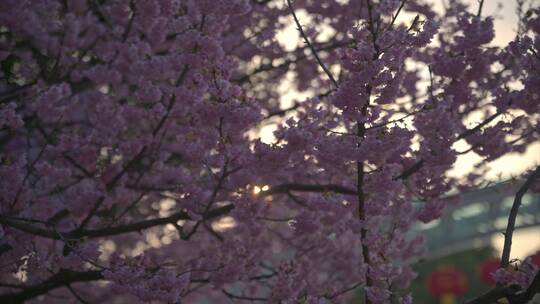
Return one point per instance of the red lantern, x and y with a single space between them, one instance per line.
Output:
487 268
447 280
536 258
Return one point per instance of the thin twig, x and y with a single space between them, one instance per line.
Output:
287 62
396 120
34 162
514 294
311 47
237 297
60 279
80 255
116 230
480 6
92 212
372 30
76 295
345 290
394 17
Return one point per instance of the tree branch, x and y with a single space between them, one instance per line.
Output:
284 188
236 297
469 132
394 17
505 258
288 62
96 233
311 47
60 279
480 6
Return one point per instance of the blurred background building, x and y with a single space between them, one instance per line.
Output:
464 245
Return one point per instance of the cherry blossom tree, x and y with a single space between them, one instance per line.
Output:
131 166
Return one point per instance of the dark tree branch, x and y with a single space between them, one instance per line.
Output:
394 17
373 30
311 47
282 112
125 35
76 295
288 62
245 298
112 183
343 291
34 162
5 248
96 233
405 116
285 188
60 279
90 214
411 170
469 132
505 258
153 222
480 6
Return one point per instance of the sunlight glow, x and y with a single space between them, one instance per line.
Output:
224 224
257 189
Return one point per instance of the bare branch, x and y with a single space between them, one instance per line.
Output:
285 64
505 258
469 132
76 295
480 6
237 297
96 233
60 279
411 170
282 112
394 17
311 47
285 188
